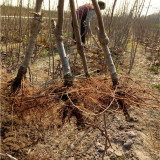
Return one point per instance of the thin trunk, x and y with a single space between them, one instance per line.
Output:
51 42
103 38
113 8
36 26
80 48
20 28
59 38
133 53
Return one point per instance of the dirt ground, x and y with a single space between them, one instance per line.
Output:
138 139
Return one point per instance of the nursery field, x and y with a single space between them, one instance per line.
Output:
87 118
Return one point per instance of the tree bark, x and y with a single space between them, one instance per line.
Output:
103 38
36 26
57 30
80 48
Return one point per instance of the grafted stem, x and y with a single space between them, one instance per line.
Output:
58 32
103 38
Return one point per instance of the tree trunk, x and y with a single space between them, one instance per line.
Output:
36 26
103 38
80 48
57 30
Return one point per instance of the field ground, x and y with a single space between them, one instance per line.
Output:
45 120
138 139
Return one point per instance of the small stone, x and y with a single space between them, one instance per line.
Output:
100 147
128 144
131 134
96 157
72 146
118 153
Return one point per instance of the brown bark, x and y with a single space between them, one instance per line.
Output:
38 6
80 48
36 26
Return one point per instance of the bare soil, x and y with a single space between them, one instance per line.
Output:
138 139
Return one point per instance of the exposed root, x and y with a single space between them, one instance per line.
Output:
16 83
85 99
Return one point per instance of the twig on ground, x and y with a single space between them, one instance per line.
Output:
9 156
